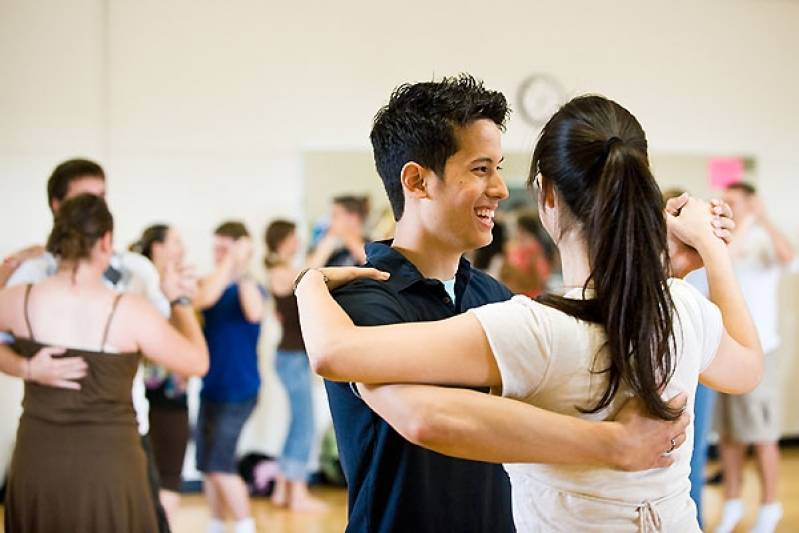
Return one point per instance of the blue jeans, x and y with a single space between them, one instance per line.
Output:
703 420
219 426
295 374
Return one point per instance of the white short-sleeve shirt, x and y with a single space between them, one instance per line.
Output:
545 358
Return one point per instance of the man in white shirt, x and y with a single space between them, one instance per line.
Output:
128 272
760 251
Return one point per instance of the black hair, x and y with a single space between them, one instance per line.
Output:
66 173
594 152
153 234
78 225
418 124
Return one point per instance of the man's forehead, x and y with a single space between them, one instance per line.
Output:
481 139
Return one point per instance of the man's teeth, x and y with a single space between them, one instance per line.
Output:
485 213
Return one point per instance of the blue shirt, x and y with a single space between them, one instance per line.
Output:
393 485
233 348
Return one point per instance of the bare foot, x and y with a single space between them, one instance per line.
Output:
280 494
308 504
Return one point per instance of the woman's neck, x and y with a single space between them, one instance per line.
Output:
81 272
574 260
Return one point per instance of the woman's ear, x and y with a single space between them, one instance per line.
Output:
107 242
413 180
548 190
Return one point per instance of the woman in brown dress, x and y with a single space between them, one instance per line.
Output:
78 463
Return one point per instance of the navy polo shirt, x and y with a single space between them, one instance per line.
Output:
393 485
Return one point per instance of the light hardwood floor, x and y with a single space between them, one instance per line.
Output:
193 514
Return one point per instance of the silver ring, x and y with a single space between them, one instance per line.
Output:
673 445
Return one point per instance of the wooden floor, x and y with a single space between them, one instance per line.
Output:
193 514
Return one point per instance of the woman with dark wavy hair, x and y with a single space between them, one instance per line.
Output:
624 327
78 463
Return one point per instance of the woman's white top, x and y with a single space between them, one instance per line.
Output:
550 359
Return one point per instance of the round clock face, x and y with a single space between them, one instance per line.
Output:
539 97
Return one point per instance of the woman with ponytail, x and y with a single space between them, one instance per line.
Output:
291 364
623 328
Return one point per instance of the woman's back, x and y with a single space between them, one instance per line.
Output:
554 361
67 437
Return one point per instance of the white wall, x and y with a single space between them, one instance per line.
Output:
200 110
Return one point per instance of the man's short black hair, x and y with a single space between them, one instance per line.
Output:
745 187
66 173
418 124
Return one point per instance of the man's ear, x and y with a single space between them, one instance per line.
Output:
414 180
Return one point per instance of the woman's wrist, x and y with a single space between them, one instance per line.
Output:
309 272
25 371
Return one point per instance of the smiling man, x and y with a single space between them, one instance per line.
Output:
437 148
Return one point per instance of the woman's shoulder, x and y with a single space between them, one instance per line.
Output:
682 292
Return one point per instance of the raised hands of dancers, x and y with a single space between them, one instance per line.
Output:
695 224
242 251
178 280
684 258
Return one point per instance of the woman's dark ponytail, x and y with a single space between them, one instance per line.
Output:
594 151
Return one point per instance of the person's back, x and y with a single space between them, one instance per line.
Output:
86 429
560 374
94 427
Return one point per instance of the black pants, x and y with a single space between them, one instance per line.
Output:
155 485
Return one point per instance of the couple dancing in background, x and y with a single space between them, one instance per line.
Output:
415 440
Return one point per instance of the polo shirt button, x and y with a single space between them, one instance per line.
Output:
447 300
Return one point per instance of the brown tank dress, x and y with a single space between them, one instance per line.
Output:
78 465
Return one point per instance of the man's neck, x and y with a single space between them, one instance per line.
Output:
433 258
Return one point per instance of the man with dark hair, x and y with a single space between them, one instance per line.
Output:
760 253
437 149
69 172
128 272
58 186
343 243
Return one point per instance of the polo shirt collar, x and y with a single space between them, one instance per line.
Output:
404 274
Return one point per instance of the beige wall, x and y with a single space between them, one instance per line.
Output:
201 110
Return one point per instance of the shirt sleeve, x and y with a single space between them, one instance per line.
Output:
148 278
30 271
368 305
707 323
520 337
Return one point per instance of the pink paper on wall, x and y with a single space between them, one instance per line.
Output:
724 171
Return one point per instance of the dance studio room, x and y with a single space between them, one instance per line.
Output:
574 222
